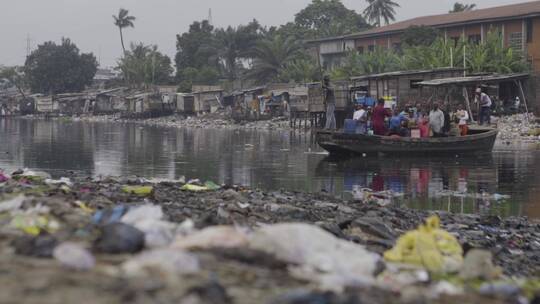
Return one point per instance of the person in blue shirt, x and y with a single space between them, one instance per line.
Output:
396 123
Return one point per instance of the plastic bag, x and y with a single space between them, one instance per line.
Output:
194 188
138 190
428 246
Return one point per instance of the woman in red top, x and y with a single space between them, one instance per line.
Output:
379 114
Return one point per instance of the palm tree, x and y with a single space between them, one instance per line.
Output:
460 7
271 57
379 10
123 20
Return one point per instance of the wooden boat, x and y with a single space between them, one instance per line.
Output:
478 140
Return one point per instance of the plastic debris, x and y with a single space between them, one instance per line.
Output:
194 188
210 185
62 181
428 246
320 256
478 264
84 207
162 260
3 177
109 216
34 223
212 237
143 212
12 204
41 246
32 175
120 238
138 190
74 256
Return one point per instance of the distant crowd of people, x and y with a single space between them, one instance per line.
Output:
410 121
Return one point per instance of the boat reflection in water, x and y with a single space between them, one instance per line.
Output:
462 185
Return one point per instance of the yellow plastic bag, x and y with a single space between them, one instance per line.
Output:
428 246
194 188
138 190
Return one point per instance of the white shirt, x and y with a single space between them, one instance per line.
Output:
463 117
358 115
485 101
436 120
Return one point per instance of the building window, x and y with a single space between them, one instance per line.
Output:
396 46
476 39
371 48
529 30
360 49
414 83
515 41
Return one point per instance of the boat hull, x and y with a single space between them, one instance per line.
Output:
341 143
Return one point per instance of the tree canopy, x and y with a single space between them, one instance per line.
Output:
53 68
460 7
381 10
324 18
419 35
123 20
145 65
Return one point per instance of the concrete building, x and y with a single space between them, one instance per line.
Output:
518 23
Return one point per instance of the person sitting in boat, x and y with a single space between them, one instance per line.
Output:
379 115
436 121
360 116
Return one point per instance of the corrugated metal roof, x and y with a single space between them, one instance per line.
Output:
484 79
401 73
512 11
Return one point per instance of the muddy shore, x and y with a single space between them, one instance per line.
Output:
78 209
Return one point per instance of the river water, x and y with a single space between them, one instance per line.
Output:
504 183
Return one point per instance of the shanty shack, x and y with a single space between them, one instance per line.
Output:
45 104
145 102
503 89
109 101
206 98
185 103
397 87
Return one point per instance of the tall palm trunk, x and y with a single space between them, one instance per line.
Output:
122 40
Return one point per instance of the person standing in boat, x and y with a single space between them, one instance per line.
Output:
379 115
463 117
485 107
330 101
436 121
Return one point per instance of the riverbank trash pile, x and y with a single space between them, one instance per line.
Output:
117 240
523 126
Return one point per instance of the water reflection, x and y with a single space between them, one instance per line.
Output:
272 160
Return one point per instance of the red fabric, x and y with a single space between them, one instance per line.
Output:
424 127
379 113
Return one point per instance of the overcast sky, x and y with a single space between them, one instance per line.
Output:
89 23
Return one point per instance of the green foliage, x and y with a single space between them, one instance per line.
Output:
460 7
53 68
271 57
197 48
205 75
234 44
379 10
15 77
378 61
419 35
301 70
145 65
324 18
489 56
